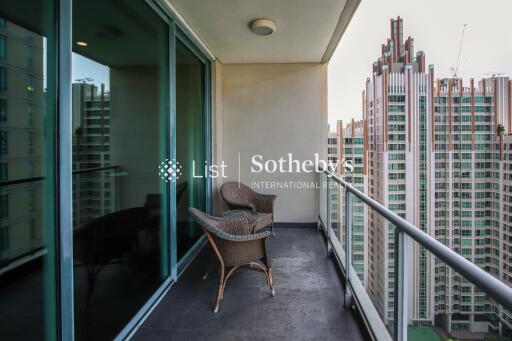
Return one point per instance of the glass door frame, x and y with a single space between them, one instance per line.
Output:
64 234
206 87
64 173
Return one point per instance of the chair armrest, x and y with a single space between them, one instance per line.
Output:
241 219
256 236
264 203
244 238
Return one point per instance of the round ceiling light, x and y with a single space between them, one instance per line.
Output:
263 27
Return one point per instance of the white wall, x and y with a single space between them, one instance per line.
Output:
217 157
272 110
134 133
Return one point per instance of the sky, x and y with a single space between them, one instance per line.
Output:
84 67
436 26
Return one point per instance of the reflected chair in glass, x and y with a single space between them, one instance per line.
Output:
126 236
240 197
235 246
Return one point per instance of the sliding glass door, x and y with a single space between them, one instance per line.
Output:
134 100
27 170
120 114
191 147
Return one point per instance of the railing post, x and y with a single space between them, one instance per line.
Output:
348 247
400 287
329 220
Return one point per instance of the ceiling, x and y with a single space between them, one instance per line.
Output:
121 33
307 30
16 11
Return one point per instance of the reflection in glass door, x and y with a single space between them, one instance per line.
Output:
27 170
190 144
120 111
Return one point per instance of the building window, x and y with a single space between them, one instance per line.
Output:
30 144
3 49
3 143
3 110
33 231
31 202
30 114
30 85
29 56
4 171
4 239
3 78
4 206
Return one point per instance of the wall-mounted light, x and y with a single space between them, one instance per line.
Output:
81 43
263 27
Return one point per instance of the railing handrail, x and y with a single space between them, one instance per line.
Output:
479 277
41 178
95 169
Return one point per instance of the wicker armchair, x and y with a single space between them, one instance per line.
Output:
235 247
240 197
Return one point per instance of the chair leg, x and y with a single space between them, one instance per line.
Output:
223 287
270 284
268 271
220 292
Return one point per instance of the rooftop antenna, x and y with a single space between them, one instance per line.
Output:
455 70
84 80
494 74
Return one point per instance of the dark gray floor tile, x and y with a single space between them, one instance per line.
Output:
308 304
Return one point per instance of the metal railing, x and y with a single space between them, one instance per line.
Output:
41 178
33 249
474 274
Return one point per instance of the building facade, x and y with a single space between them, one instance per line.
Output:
505 232
353 149
346 144
22 101
435 151
94 187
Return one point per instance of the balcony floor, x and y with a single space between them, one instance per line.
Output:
308 304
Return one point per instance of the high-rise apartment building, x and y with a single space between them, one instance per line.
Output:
437 157
505 232
22 101
334 157
94 189
346 144
352 149
333 145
